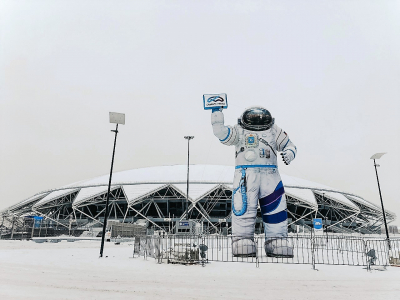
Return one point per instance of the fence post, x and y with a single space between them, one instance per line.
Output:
202 254
133 252
40 228
12 228
33 228
312 250
168 247
159 255
257 261
366 256
1 228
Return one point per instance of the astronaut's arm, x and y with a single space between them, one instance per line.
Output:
285 146
227 135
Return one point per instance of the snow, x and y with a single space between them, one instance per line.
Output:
136 192
53 196
91 192
27 201
68 270
303 194
196 191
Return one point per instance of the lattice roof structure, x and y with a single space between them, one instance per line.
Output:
158 195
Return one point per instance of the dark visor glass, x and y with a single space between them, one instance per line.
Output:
257 116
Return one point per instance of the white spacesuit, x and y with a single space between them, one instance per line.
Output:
257 140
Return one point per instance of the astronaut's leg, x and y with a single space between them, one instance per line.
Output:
243 220
274 213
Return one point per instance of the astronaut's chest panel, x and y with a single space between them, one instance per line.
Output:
251 140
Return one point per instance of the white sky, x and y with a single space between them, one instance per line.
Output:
329 72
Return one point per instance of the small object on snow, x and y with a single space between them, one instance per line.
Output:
371 254
203 249
394 261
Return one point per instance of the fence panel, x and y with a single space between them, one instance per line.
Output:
332 250
189 248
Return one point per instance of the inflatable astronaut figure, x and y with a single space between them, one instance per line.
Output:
257 141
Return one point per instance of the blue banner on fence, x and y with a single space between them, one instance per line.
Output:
317 223
37 220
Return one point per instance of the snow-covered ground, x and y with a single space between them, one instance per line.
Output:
69 270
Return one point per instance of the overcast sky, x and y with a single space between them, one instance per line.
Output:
328 71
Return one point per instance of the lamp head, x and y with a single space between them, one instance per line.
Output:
117 118
377 155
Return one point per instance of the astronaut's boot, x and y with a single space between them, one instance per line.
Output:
278 247
244 248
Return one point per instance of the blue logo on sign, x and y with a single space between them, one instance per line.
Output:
183 223
215 99
317 223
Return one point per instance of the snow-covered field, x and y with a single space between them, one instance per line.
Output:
68 270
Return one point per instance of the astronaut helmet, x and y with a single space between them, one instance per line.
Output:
256 118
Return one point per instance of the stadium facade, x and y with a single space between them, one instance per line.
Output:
156 196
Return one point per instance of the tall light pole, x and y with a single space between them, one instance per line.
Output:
374 157
326 225
187 181
116 118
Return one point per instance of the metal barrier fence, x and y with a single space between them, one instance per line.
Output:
127 230
24 233
307 249
27 228
314 250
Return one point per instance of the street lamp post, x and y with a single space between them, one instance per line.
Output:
187 181
326 225
374 157
115 118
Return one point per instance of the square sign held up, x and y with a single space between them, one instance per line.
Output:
211 101
117 118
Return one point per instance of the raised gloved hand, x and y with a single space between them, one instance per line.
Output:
214 109
287 156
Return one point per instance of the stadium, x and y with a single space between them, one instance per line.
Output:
156 198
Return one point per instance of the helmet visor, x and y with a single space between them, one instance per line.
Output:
257 118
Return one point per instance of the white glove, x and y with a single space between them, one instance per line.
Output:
287 156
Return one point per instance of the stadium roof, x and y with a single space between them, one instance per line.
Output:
138 189
139 183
